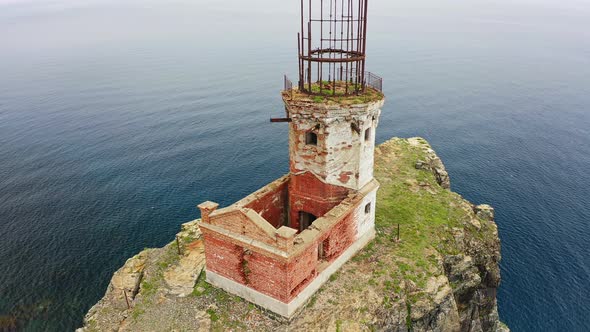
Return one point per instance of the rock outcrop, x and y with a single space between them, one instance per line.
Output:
432 267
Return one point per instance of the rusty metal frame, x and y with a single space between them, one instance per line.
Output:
336 49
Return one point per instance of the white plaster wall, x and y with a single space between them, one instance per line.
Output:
366 221
367 149
343 153
342 156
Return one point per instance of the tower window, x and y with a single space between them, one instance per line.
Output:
311 138
368 208
367 134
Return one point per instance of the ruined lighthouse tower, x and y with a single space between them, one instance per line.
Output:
277 246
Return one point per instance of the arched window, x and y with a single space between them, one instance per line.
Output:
367 134
311 138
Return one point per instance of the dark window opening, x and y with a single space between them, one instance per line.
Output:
368 208
368 134
305 220
311 138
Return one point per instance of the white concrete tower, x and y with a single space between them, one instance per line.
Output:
334 141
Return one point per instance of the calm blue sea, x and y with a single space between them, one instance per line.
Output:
118 117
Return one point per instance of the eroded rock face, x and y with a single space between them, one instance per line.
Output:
181 278
124 286
431 162
160 275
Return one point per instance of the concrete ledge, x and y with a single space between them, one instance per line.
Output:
289 310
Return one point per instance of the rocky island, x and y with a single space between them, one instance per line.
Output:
433 266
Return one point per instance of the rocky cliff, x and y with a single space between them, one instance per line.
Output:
432 267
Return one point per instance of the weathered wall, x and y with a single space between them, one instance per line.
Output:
284 277
272 206
267 275
223 256
246 265
335 240
367 147
342 156
366 221
309 194
251 226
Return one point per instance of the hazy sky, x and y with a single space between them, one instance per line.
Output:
46 25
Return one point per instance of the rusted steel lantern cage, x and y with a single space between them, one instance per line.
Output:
331 47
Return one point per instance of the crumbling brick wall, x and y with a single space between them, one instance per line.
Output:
303 268
261 271
273 205
307 193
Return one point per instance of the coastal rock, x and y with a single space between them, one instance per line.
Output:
431 162
484 211
181 278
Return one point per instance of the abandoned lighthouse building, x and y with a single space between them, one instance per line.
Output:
279 245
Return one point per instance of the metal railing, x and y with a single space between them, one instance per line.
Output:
288 86
373 81
370 80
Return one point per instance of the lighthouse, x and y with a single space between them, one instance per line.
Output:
279 245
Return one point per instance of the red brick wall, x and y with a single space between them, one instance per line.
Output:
341 237
307 193
272 206
222 256
310 185
267 275
238 223
232 220
304 268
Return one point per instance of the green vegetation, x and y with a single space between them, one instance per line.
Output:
334 276
426 214
153 280
221 317
318 99
339 96
246 270
213 315
137 311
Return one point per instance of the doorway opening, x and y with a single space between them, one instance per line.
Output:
305 220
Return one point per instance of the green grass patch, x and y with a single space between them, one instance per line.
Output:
213 315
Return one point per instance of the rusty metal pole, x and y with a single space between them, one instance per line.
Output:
301 52
126 299
364 40
320 66
309 52
300 83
